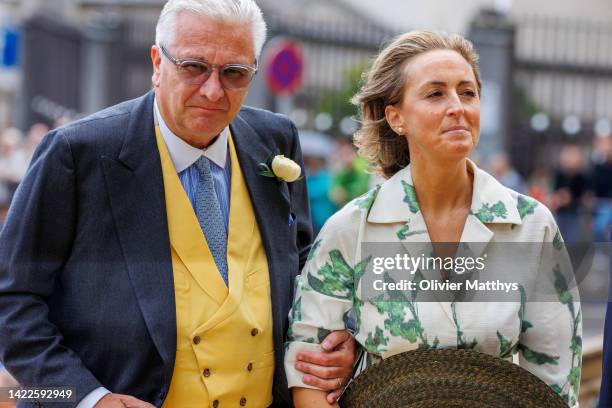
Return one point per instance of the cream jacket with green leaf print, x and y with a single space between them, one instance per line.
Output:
545 335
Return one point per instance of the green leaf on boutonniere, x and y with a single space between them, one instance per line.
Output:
264 170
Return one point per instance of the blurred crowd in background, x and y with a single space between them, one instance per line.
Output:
577 188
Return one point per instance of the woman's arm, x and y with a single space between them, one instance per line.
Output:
324 294
307 398
550 343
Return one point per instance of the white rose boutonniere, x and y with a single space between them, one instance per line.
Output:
282 168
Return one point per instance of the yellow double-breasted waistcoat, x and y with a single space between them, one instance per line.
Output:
225 351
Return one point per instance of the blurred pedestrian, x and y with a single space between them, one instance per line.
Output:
34 137
502 170
540 184
351 179
571 192
602 187
13 159
319 182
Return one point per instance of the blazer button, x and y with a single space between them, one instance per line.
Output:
242 402
215 403
254 332
196 340
250 367
206 372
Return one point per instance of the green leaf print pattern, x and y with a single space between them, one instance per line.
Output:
404 232
357 305
366 200
525 206
294 316
537 357
565 297
507 349
376 343
313 249
397 321
558 241
322 334
410 197
488 213
337 277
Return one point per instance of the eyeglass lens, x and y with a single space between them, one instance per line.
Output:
232 76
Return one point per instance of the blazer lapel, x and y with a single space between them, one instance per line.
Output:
136 192
270 200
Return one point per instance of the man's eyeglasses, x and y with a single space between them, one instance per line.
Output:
196 72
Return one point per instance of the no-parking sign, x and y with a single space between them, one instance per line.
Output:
284 67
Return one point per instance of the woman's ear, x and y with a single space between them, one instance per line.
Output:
394 119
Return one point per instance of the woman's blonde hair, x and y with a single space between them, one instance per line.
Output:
384 85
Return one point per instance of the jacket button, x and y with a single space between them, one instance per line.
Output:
206 372
254 332
242 402
215 403
250 367
196 340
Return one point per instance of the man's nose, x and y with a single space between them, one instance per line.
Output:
212 89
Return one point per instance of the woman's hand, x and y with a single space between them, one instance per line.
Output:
331 369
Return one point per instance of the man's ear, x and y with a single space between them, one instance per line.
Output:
394 119
156 60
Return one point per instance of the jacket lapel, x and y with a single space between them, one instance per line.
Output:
270 200
136 192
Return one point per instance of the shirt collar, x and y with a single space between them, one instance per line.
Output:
491 202
183 154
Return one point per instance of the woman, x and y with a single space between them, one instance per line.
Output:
420 111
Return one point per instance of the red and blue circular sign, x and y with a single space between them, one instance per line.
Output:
284 67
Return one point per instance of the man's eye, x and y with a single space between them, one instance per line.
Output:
234 72
193 68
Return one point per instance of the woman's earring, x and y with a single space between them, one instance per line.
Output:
400 131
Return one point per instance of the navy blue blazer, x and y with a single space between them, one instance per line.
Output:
86 283
605 392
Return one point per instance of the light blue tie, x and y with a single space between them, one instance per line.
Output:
209 216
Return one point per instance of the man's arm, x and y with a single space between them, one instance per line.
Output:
34 244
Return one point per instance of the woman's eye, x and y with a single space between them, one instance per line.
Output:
434 94
470 93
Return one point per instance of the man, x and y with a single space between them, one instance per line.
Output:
144 259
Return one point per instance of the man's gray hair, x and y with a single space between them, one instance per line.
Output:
238 11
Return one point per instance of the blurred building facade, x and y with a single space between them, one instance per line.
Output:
547 74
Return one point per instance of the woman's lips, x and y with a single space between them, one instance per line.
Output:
455 129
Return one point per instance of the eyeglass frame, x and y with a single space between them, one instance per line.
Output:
178 61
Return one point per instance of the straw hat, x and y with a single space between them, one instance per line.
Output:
448 378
